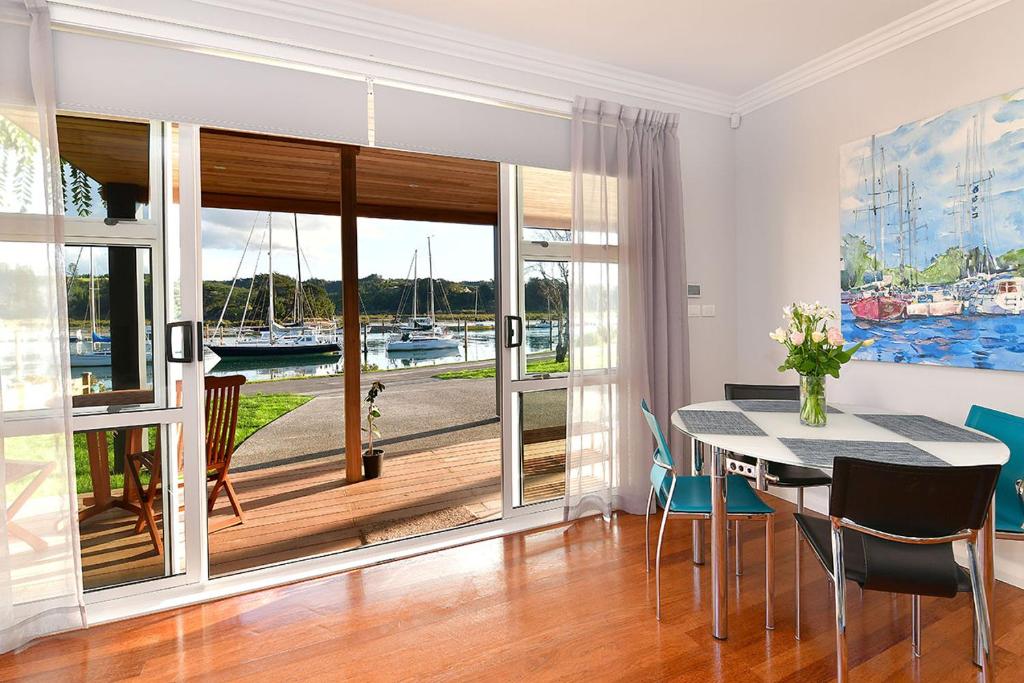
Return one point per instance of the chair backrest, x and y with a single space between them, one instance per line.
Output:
221 418
777 392
1010 430
658 473
909 500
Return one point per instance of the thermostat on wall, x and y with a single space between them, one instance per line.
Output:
693 290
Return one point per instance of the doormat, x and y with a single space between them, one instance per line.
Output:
395 529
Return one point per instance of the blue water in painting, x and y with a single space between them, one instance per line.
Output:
990 342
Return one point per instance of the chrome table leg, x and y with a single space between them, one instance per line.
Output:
697 466
719 548
769 572
739 547
798 547
915 624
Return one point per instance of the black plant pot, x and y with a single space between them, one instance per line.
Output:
373 463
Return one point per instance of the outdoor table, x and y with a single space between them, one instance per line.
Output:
770 431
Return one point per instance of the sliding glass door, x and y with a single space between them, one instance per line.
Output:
134 366
535 343
135 360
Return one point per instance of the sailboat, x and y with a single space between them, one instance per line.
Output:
296 339
421 333
878 304
95 352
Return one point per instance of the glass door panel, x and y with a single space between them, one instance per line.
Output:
535 286
125 492
542 445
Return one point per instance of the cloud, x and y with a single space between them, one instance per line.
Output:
1011 111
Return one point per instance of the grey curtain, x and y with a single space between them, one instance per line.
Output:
628 324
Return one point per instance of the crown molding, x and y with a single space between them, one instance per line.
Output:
354 18
924 22
183 23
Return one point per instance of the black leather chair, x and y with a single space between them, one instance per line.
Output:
785 476
892 527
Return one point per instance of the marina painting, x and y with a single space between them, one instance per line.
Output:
932 226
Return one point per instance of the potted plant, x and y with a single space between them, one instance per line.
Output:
816 350
373 458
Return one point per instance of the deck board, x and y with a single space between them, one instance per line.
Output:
306 509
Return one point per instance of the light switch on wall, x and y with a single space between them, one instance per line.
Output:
708 310
693 310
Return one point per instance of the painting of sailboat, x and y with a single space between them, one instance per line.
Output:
932 235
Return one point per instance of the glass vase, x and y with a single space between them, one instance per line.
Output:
813 412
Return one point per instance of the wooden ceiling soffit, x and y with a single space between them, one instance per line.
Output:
265 173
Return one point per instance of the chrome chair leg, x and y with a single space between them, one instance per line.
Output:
980 612
769 572
915 624
739 547
647 532
798 548
839 582
661 537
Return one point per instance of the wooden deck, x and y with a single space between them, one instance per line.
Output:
302 510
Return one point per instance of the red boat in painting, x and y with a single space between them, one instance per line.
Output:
879 308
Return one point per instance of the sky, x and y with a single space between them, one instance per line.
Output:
930 150
461 252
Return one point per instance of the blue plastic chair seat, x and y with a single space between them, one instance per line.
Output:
693 495
1010 430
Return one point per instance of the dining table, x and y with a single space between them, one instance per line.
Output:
771 431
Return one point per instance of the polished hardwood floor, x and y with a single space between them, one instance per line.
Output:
568 603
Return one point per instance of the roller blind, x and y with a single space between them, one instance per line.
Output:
108 76
427 122
15 85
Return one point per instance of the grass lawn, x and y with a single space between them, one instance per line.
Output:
549 366
254 412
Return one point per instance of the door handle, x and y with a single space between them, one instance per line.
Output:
513 331
178 342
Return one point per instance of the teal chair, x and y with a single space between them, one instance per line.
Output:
1010 488
689 497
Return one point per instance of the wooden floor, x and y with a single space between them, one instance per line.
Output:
307 509
562 604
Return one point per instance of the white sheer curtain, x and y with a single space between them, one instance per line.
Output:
627 302
40 577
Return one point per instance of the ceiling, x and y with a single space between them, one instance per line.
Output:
729 46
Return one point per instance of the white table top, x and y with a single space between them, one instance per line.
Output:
841 426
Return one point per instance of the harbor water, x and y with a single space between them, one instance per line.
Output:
968 341
479 345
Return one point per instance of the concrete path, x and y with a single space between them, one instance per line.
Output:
419 413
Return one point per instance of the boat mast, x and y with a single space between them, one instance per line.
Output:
900 212
298 311
415 278
874 210
430 264
92 299
270 278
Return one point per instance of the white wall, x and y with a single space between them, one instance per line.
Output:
710 222
787 209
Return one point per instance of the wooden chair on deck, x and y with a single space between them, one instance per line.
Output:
222 395
222 398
